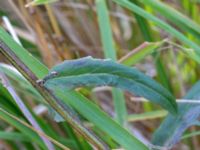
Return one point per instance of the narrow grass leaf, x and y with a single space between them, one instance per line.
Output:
186 117
23 55
22 83
158 22
110 52
148 36
91 112
24 109
147 115
39 2
15 119
14 136
191 134
173 15
140 53
23 129
105 30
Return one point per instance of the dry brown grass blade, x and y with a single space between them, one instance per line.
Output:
86 25
58 38
69 30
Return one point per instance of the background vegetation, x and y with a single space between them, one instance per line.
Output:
159 38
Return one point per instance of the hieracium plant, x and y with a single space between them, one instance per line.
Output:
58 107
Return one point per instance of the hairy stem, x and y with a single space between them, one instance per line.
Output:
55 103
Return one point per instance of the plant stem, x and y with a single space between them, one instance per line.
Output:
56 104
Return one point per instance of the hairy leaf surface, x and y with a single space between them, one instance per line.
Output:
97 72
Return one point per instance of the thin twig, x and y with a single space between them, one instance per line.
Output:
14 7
84 6
188 101
141 99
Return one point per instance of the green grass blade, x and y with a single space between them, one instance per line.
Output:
78 142
25 130
20 124
105 30
173 15
27 114
110 52
40 2
14 136
31 62
147 115
159 23
120 106
191 134
187 116
91 112
7 103
140 53
144 27
22 83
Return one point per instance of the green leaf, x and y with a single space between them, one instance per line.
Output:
103 122
96 72
176 125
